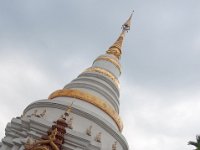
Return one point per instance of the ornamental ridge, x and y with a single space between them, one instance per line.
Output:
85 96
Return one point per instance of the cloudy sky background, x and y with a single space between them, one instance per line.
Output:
44 44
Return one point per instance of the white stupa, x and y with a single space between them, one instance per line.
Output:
84 115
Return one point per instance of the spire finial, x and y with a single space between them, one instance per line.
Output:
115 49
126 26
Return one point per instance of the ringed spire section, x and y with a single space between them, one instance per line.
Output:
98 85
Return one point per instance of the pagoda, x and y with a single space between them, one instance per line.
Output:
84 115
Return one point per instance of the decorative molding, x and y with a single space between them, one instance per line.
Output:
76 139
96 82
110 99
39 115
91 76
105 73
44 144
81 111
101 104
112 60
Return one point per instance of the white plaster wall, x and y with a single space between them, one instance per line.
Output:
106 90
97 95
80 124
100 78
108 65
98 84
90 107
90 87
52 114
102 81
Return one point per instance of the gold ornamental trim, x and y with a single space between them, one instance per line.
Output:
101 104
113 61
44 144
115 49
105 73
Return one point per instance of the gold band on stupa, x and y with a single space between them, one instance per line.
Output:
105 73
112 60
115 49
101 104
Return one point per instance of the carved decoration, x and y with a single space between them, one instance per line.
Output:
39 115
92 100
34 113
55 137
89 130
69 123
114 146
43 113
30 141
67 118
69 109
44 144
23 115
98 137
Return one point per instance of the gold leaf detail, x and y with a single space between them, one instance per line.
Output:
113 61
101 104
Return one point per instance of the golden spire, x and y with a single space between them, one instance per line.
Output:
115 49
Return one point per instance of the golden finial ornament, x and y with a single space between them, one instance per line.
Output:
115 49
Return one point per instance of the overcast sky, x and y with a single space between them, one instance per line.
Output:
44 44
